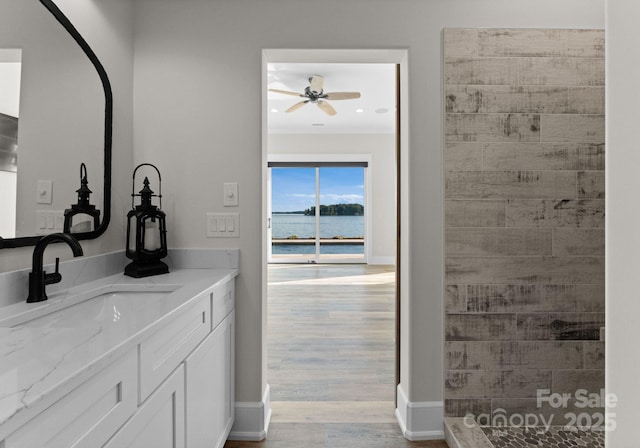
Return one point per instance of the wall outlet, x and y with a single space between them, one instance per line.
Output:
223 225
49 221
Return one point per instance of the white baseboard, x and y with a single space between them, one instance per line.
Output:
252 419
420 420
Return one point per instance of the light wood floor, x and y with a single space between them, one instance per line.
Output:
331 358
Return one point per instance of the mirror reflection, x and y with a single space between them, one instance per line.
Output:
58 101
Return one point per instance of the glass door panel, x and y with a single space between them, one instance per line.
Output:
293 224
342 220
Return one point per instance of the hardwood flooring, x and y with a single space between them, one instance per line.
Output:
331 358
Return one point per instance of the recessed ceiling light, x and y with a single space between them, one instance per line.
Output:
317 124
274 110
382 110
359 111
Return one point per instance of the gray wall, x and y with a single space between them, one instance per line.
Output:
524 204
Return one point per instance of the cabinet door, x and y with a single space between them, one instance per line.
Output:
159 422
210 387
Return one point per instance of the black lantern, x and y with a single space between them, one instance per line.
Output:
79 217
146 232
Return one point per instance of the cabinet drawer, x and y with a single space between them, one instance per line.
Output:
165 349
88 415
222 302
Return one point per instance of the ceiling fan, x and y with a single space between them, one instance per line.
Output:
315 94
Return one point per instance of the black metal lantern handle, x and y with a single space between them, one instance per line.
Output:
83 167
133 184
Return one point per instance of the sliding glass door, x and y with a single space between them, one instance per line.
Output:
317 212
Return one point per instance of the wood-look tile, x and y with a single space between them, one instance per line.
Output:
578 241
495 355
510 184
572 128
460 42
594 355
542 156
524 99
552 71
496 383
481 242
461 435
459 407
555 213
524 270
541 42
474 213
480 327
569 381
591 184
455 299
514 127
560 326
462 156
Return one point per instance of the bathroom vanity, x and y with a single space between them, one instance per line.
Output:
121 362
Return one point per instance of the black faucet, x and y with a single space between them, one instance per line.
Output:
38 278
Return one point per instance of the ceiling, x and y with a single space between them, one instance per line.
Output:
372 113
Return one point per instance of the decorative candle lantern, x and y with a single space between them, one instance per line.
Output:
81 216
146 231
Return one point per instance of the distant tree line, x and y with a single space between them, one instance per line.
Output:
337 210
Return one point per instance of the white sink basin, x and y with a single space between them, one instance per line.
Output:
107 305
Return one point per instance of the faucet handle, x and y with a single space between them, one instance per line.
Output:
57 265
56 277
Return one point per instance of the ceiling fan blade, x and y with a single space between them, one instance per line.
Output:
286 92
342 95
326 108
315 83
296 106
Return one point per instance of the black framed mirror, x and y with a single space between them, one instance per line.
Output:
106 145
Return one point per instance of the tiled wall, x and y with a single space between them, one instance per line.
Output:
524 202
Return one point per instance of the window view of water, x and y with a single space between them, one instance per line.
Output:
297 226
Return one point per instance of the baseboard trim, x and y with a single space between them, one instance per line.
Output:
252 419
420 420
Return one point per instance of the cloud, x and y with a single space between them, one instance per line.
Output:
330 198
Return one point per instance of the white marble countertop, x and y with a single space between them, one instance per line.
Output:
42 361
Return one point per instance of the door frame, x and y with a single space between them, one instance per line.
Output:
403 267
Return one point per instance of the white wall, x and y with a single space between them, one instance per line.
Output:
381 148
623 214
198 109
10 82
8 199
107 27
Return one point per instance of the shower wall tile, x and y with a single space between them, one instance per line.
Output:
475 213
591 184
524 161
510 184
541 156
496 384
483 241
463 156
572 128
524 270
492 127
578 241
572 213
541 42
529 99
529 71
480 327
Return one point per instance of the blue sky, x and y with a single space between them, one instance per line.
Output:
294 189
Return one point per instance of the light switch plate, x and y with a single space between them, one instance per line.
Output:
44 192
223 225
231 194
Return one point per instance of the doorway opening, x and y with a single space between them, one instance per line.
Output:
299 296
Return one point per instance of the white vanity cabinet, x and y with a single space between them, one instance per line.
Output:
172 386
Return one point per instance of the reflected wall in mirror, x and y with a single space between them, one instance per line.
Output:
64 120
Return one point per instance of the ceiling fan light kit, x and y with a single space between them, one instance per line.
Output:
314 94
